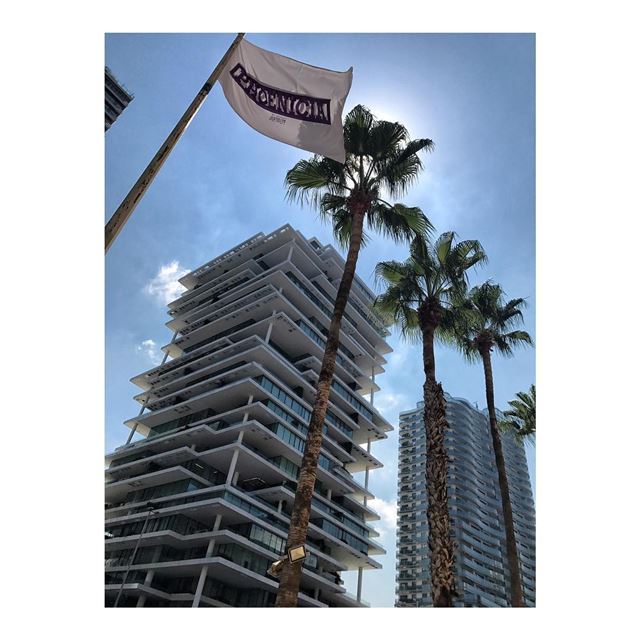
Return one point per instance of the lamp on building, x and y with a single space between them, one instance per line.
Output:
297 553
294 554
275 569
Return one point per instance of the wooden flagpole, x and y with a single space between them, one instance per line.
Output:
122 213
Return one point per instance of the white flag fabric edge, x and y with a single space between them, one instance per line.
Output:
288 100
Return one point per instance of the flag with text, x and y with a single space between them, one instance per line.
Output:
287 100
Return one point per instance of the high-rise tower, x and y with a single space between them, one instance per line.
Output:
220 443
481 569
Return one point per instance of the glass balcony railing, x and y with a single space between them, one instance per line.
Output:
182 421
179 523
298 408
205 471
352 400
308 331
342 534
338 515
222 334
298 443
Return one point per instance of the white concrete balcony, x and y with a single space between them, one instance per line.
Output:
296 335
168 458
117 490
311 578
225 571
259 243
259 446
228 308
236 386
198 298
222 429
253 348
317 260
342 555
205 505
294 301
256 463
321 507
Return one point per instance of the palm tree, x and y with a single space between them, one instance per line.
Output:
488 323
419 300
522 415
381 159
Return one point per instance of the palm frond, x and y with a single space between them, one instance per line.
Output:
507 342
398 222
420 256
522 414
399 170
390 271
342 220
330 202
357 130
442 247
310 179
509 315
502 345
393 309
385 139
469 253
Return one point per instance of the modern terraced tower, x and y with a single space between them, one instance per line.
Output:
481 568
198 500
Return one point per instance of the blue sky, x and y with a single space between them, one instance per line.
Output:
474 95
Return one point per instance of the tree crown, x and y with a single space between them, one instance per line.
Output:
484 321
420 292
522 415
381 161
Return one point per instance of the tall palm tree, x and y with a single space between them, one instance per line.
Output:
522 415
419 300
381 161
488 324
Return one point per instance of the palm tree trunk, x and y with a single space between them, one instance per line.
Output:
507 512
440 542
290 574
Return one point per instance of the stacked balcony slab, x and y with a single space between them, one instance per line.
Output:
481 569
218 448
116 98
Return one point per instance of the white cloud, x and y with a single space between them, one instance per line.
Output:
164 287
388 511
150 349
405 355
390 404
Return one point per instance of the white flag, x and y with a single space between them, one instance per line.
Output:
287 100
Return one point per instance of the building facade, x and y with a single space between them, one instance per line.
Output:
116 98
481 569
220 437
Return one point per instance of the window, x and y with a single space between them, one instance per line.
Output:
295 406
